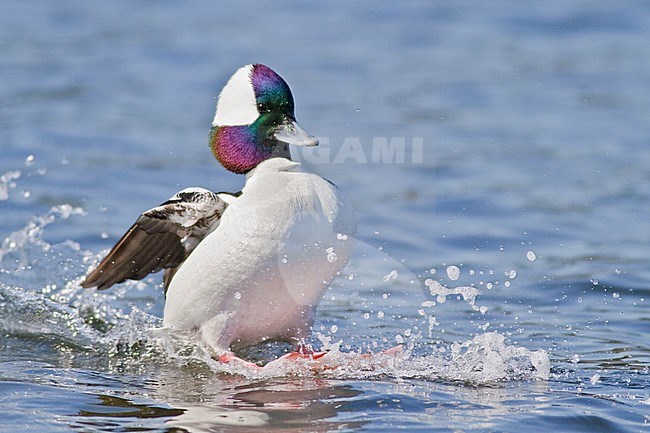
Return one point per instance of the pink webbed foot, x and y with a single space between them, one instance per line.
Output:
231 358
302 355
321 362
318 361
299 355
393 351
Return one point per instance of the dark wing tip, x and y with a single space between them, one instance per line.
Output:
92 280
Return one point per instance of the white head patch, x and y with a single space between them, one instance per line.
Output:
237 104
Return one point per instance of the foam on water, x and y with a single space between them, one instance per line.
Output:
40 296
486 358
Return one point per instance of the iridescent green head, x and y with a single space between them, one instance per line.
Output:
255 120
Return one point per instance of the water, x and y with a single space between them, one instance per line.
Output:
510 260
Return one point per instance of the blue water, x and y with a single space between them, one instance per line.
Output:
530 192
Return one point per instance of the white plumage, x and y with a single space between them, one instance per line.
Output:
262 272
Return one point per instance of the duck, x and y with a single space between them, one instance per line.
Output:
242 268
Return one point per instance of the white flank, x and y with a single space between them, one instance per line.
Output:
237 104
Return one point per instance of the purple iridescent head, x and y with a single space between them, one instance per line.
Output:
255 120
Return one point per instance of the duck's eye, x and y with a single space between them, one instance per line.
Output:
263 108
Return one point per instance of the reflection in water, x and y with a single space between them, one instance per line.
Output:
199 419
112 411
290 405
117 407
194 399
287 406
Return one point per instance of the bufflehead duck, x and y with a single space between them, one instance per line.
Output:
242 268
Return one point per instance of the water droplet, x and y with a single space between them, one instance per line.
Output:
506 284
366 316
333 329
237 295
579 299
391 276
511 274
616 295
530 255
595 379
453 272
380 315
341 236
29 161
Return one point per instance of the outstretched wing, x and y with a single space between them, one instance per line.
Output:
161 238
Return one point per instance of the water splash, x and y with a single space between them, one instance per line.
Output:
40 293
441 292
7 183
485 359
26 259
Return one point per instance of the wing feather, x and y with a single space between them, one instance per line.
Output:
161 238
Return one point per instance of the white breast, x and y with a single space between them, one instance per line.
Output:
263 271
